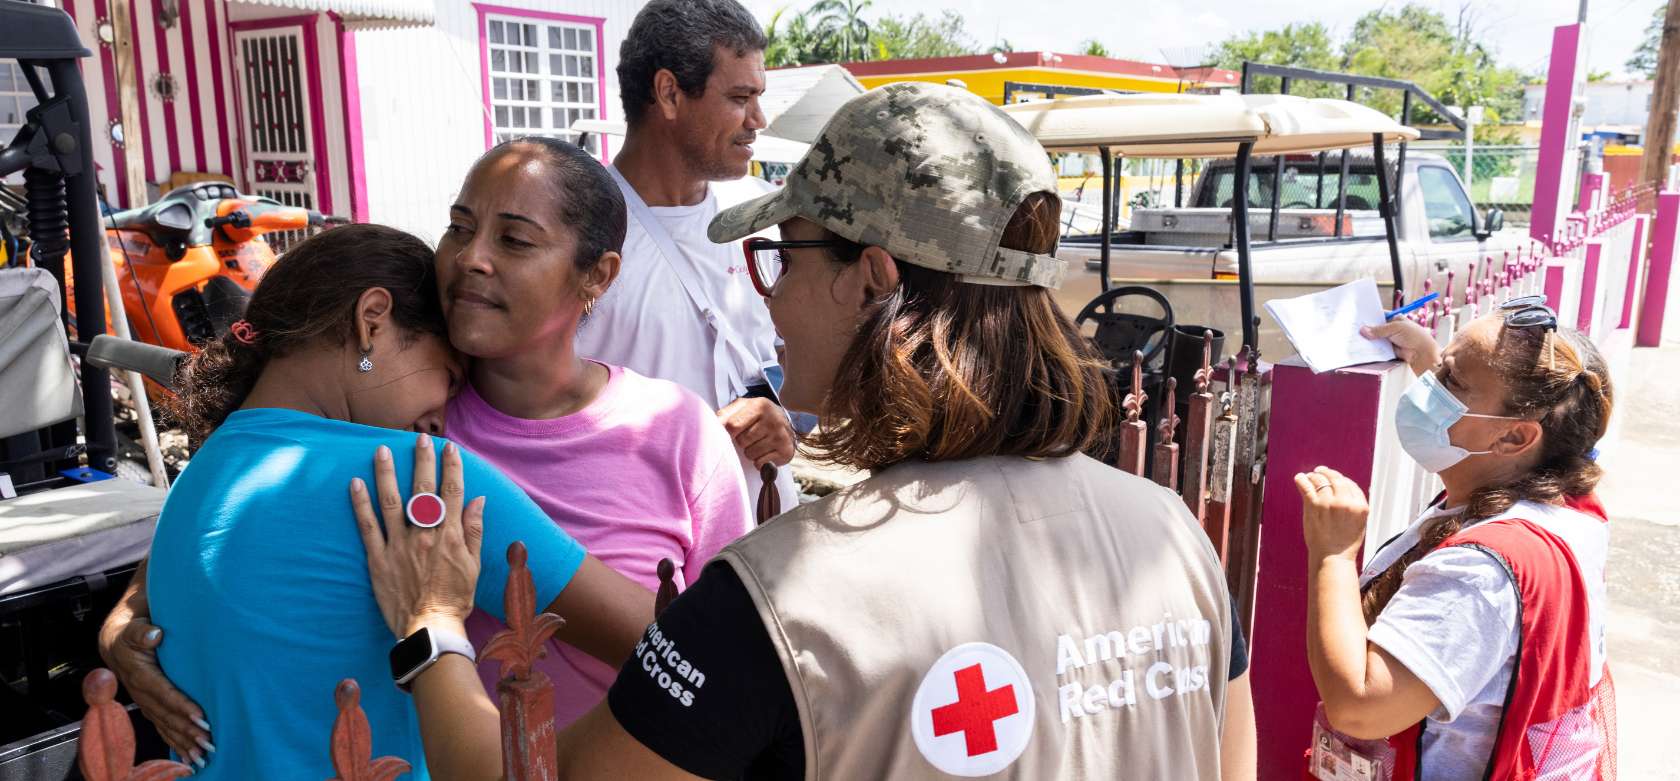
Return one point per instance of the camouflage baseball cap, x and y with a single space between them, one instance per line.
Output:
931 174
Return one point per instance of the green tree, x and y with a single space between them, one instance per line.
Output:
844 20
1298 45
1644 59
1416 44
793 41
1094 48
920 37
1412 43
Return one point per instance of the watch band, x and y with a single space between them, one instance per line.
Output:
451 643
438 643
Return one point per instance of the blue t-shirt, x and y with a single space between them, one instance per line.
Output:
259 579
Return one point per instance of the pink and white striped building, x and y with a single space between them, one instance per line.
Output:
371 109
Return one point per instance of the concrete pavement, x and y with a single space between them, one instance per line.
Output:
1644 569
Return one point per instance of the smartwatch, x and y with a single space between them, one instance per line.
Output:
416 653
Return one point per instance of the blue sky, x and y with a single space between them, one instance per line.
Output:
1519 30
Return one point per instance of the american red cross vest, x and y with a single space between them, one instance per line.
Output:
1559 717
999 617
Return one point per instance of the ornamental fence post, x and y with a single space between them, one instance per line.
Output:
1134 432
105 751
1196 440
526 693
352 741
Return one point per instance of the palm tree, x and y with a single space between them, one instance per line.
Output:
844 18
793 44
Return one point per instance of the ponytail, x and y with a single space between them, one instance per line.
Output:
212 384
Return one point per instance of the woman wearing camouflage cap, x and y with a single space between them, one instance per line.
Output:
990 600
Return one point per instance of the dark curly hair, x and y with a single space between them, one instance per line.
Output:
308 298
1568 393
681 36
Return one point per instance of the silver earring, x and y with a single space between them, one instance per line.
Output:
366 365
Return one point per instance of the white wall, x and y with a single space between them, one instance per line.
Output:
1607 103
423 105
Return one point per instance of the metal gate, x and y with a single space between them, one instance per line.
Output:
274 89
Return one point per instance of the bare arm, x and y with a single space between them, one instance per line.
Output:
128 643
1237 752
596 746
459 725
1366 693
605 612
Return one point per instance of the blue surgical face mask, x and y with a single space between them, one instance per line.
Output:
1426 414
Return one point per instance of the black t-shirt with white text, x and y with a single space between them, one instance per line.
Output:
705 690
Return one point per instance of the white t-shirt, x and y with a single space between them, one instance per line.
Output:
1454 624
646 322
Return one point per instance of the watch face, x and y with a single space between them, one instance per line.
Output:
410 653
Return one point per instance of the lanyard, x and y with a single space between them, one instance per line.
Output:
728 353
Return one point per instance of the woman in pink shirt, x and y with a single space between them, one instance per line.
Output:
636 469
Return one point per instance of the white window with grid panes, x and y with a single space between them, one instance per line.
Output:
543 77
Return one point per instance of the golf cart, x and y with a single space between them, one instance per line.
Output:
1175 290
71 532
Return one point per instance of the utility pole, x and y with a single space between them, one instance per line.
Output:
129 94
1659 126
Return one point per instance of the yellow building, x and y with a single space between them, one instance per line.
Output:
1016 76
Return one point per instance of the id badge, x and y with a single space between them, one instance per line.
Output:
1336 757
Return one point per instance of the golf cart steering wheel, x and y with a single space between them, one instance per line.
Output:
1120 334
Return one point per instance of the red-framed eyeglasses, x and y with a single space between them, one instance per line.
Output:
765 261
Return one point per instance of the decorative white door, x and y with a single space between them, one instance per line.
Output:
278 146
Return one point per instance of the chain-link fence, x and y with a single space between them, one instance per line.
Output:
1499 176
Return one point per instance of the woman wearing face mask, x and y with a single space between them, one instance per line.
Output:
264 593
989 601
1472 645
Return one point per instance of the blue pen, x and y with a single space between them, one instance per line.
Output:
1412 307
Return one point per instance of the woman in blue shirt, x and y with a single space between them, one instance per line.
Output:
255 568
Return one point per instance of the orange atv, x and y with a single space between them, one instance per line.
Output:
186 265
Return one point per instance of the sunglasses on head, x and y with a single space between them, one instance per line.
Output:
1529 312
1532 312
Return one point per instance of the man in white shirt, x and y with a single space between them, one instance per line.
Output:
683 308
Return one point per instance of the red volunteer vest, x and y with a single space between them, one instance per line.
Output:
1550 686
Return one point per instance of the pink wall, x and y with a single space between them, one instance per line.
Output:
1636 268
1299 441
1555 132
1655 304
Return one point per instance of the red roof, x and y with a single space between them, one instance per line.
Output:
1079 62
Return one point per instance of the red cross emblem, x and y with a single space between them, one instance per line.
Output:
975 711
979 690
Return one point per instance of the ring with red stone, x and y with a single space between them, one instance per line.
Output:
425 510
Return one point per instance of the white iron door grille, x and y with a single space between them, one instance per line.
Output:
279 150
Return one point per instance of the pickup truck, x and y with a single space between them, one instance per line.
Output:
1188 255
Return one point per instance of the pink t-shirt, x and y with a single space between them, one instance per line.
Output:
645 472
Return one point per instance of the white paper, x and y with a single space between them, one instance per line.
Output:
1324 326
